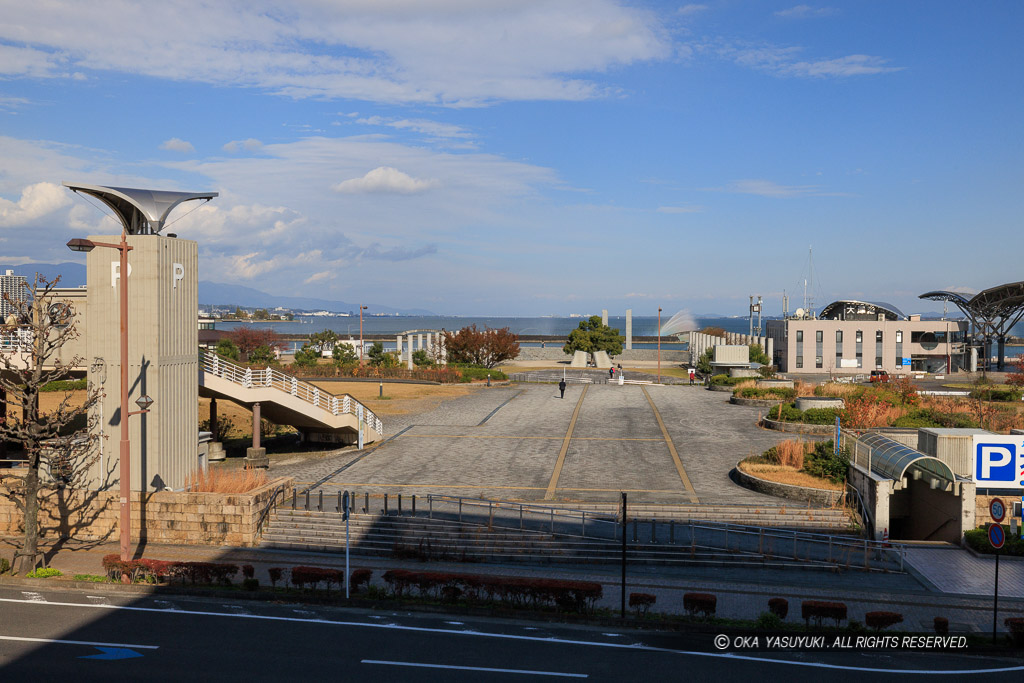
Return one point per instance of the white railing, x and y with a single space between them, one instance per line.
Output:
16 340
275 379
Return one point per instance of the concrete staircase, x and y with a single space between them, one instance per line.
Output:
421 538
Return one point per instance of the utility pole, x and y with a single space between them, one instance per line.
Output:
361 309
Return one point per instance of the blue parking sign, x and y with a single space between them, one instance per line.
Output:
998 461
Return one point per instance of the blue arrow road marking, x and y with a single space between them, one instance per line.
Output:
113 653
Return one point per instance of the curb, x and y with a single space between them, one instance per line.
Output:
798 427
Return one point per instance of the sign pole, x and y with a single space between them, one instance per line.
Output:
623 605
346 504
995 600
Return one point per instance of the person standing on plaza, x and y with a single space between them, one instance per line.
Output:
561 388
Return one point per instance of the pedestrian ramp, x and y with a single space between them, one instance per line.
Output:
288 400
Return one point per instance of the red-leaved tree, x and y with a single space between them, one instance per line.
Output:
487 348
248 339
1016 378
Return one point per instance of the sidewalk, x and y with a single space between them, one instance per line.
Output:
742 594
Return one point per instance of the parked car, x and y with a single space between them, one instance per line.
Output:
879 376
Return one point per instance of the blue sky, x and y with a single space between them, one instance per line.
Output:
525 157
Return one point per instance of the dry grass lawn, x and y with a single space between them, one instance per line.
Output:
783 474
400 399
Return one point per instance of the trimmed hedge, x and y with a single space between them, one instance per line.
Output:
817 610
471 372
941 626
727 381
977 539
779 607
1016 627
570 596
641 602
996 393
781 393
156 571
880 620
66 385
703 603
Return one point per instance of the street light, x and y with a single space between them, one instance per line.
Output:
361 309
659 344
83 245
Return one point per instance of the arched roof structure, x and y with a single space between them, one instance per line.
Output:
993 312
892 459
854 309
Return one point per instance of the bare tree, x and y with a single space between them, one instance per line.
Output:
59 445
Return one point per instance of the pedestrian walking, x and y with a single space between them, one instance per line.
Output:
561 388
611 373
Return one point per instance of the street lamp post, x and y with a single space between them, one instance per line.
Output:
83 245
659 344
361 309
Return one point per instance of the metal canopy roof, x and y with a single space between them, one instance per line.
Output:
142 212
892 459
837 310
993 312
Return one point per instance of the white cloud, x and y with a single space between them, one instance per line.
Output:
805 12
422 51
321 276
36 201
177 145
680 209
248 145
686 10
784 61
384 179
768 188
432 128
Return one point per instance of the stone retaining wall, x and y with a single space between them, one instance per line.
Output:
798 427
176 517
759 402
802 493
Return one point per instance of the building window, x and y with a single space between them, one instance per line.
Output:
839 336
818 336
899 336
860 337
799 361
878 335
817 361
799 335
860 348
878 363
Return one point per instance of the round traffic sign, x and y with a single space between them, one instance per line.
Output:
996 535
997 509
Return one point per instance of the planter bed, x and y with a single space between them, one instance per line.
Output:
787 491
798 427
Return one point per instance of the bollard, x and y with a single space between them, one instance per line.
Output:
552 520
295 495
636 528
366 502
320 502
307 500
414 505
490 515
654 531
520 517
340 505
399 504
385 505
583 523
672 532
430 507
460 511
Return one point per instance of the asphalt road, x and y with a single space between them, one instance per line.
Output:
92 635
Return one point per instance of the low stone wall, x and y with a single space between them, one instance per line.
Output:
810 402
775 384
798 427
802 493
759 402
175 517
721 387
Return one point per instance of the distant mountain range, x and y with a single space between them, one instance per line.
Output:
217 293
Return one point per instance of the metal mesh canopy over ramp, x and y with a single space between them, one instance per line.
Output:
892 459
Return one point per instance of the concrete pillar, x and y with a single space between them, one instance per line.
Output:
419 342
409 364
398 341
604 316
213 418
629 328
256 456
769 348
430 345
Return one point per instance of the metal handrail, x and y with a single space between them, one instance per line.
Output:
862 509
266 511
271 378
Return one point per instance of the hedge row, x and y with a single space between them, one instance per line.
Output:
574 596
817 610
158 571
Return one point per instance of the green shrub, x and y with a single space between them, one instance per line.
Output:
66 385
780 393
727 381
91 578
1002 394
768 621
471 372
44 573
820 416
926 417
882 620
5 566
823 462
788 413
978 540
250 584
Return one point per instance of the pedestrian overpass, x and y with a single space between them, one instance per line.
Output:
287 400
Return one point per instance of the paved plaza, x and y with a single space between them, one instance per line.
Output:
660 444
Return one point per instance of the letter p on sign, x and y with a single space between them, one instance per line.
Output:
994 462
179 274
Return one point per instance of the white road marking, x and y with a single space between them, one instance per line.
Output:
98 599
455 623
475 668
510 636
237 609
304 612
165 606
79 642
33 597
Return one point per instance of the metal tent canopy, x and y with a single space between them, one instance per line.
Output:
141 212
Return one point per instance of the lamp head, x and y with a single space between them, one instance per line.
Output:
79 244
